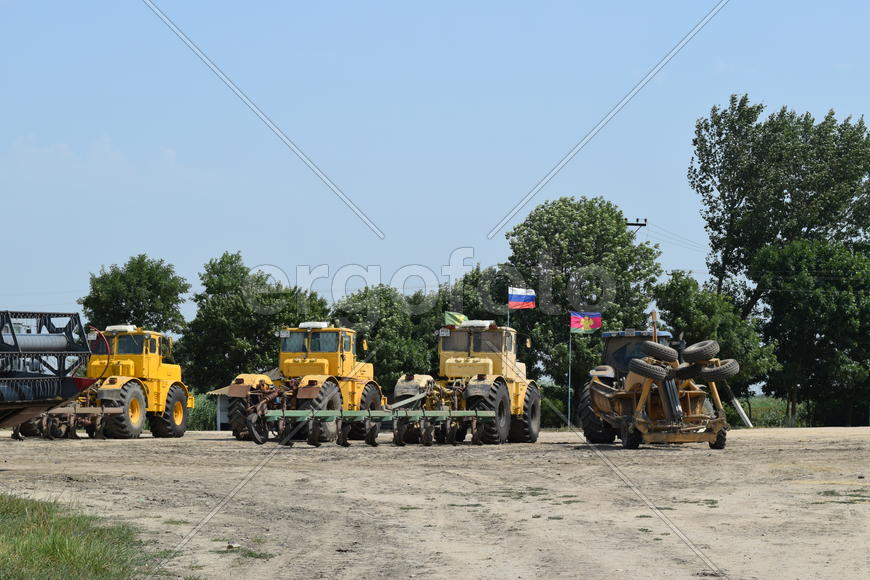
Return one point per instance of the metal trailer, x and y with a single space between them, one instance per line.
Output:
40 355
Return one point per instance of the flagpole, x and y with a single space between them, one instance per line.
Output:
568 414
509 316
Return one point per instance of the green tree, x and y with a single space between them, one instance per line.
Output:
578 254
381 315
700 314
146 292
238 314
818 311
785 178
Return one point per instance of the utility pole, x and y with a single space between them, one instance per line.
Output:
636 223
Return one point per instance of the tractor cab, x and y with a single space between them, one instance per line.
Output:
479 347
130 351
316 348
620 347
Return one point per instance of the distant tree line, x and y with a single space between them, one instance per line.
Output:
786 207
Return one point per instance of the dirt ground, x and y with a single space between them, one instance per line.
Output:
775 504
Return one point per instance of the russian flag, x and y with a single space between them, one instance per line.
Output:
520 298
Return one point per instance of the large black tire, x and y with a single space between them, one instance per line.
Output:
647 370
497 399
526 427
328 399
686 371
726 369
129 424
370 400
658 351
237 410
172 422
29 428
594 429
631 438
719 443
704 350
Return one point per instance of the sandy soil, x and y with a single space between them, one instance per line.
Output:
775 504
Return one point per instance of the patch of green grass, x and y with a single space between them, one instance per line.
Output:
409 507
829 492
657 539
665 509
643 516
176 522
536 516
644 530
554 517
570 501
43 540
249 553
465 505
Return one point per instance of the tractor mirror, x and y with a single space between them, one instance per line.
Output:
365 345
528 342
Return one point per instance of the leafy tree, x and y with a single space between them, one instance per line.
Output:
578 254
818 311
381 315
701 314
774 181
146 292
238 314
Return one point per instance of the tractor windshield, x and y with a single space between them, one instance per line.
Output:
489 341
100 346
131 344
293 343
324 342
620 351
456 341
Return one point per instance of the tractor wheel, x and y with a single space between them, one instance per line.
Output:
369 401
647 370
258 428
461 433
29 428
631 438
686 371
328 399
237 410
525 427
704 350
726 369
172 422
129 424
719 443
594 429
498 399
658 351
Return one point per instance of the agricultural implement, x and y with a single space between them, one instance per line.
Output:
129 378
479 378
642 393
40 354
321 392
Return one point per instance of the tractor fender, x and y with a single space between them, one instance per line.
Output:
241 385
110 387
479 385
191 402
412 384
309 385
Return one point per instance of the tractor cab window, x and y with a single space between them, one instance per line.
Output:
131 344
509 342
293 343
489 341
620 351
457 341
345 337
101 345
152 345
324 342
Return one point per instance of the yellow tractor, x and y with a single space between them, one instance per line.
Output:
478 371
129 378
318 370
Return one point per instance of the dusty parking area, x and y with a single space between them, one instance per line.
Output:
775 504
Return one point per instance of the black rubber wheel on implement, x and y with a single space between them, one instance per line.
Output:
370 400
497 399
647 370
686 371
172 422
726 369
328 399
129 424
29 428
719 443
237 410
258 428
594 429
658 351
704 350
631 438
526 427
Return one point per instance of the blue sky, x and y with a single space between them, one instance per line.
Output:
434 118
